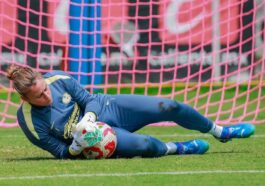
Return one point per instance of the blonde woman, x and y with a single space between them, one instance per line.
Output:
56 107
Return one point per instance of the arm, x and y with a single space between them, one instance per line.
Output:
83 98
41 137
57 148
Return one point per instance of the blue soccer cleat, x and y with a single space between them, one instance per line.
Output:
192 147
241 130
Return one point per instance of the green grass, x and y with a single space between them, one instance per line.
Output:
24 164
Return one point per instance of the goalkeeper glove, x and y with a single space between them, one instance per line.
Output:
85 133
89 116
75 148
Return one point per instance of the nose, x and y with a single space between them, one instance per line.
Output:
47 95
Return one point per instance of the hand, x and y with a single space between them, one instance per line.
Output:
89 116
87 134
75 148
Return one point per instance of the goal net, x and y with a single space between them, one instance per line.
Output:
206 53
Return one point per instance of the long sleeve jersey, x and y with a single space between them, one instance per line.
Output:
50 127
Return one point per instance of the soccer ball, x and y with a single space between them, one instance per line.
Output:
104 148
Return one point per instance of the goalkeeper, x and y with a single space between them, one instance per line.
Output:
56 107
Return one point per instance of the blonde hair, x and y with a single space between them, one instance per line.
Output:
23 77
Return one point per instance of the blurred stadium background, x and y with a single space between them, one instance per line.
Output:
206 53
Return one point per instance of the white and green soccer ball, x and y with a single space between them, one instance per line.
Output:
104 148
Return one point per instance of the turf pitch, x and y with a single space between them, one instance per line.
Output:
239 162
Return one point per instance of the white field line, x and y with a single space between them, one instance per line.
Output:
133 174
159 135
200 135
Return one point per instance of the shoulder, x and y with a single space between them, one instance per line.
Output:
56 75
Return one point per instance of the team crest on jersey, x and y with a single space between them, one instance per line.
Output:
66 98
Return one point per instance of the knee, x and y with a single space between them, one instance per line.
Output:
147 147
168 105
142 144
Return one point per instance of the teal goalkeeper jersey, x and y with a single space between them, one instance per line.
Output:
49 127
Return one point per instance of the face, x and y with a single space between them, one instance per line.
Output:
39 94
